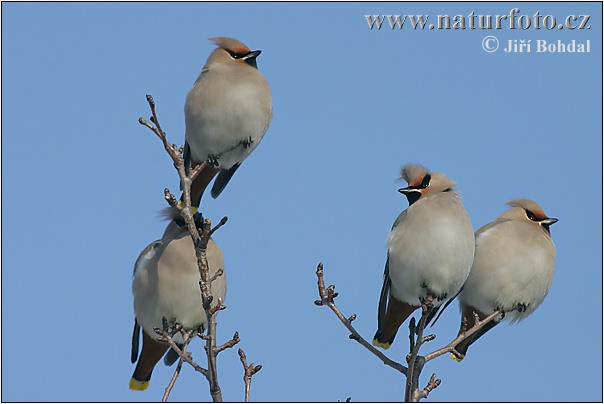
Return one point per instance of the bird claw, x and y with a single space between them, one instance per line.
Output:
248 142
198 219
213 160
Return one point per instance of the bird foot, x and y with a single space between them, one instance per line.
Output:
198 219
248 142
213 160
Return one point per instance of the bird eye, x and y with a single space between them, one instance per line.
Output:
425 182
531 216
235 55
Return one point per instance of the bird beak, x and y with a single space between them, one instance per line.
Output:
252 55
412 194
549 221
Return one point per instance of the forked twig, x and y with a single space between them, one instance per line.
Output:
186 337
200 240
415 361
248 372
450 347
327 295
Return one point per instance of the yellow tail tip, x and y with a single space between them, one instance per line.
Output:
383 345
138 386
194 209
455 357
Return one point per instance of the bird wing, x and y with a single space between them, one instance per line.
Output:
439 310
135 340
147 254
223 178
384 296
399 219
187 159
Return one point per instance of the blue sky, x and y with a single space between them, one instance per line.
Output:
83 182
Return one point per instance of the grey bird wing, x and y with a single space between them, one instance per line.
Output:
440 309
187 159
171 356
383 305
400 218
223 178
384 296
144 255
135 340
489 226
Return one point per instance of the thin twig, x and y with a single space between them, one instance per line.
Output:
218 273
450 347
432 384
167 338
248 372
416 362
229 344
200 242
178 368
327 295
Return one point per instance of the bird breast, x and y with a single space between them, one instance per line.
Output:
432 246
167 285
222 111
514 264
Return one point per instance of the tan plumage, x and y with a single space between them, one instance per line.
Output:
430 250
229 105
513 267
166 284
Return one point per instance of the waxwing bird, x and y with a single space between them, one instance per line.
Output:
430 250
227 112
512 270
166 284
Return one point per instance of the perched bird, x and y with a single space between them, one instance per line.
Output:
227 112
512 270
166 284
430 250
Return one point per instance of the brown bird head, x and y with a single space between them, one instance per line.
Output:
528 211
422 182
230 50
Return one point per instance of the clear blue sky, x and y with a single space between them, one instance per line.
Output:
83 182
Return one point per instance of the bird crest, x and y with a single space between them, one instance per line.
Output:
529 205
231 44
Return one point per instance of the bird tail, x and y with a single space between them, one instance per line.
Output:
150 354
222 180
137 385
468 314
381 342
396 313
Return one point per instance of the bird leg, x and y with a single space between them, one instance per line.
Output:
213 160
248 142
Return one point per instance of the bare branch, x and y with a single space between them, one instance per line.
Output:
218 273
178 368
248 372
219 225
432 384
416 362
450 347
200 241
229 344
327 295
165 337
